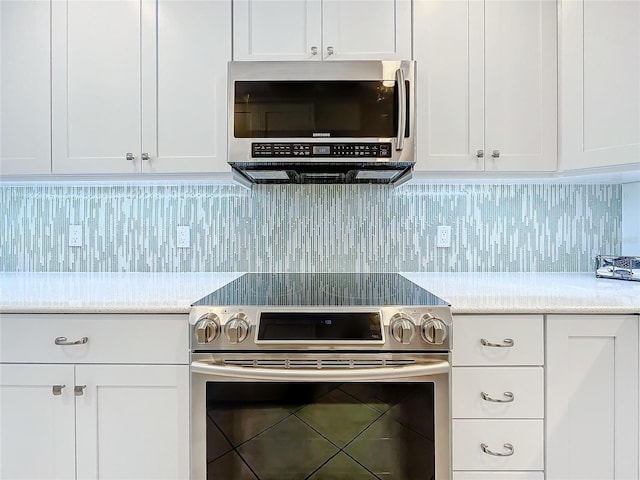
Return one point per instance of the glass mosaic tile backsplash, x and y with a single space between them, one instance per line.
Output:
309 228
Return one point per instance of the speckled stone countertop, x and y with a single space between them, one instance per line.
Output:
531 292
106 292
175 292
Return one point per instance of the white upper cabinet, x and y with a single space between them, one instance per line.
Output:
321 30
194 46
487 85
600 83
25 113
96 76
139 86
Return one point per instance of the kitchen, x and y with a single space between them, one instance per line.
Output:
514 225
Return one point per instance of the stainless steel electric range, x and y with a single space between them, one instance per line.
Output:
314 376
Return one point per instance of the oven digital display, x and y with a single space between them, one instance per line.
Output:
321 150
319 326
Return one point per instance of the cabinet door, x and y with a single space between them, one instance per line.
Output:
133 422
96 83
450 84
277 29
37 428
592 397
600 83
491 85
185 119
25 120
366 29
520 85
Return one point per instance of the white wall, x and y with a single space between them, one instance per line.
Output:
631 219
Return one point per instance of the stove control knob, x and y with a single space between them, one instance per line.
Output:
237 328
402 328
207 328
434 330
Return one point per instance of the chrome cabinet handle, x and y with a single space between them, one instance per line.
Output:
506 343
145 156
64 341
508 398
130 157
496 154
480 153
78 390
329 50
507 446
57 389
314 50
402 109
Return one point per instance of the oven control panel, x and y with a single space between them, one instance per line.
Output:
372 329
320 150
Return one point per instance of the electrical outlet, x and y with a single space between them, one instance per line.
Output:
444 236
184 236
75 235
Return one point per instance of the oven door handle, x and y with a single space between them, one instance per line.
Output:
323 374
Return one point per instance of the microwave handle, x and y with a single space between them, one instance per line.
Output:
402 109
328 375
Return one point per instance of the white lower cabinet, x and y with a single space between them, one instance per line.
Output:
498 444
497 392
592 397
498 476
81 420
37 427
498 397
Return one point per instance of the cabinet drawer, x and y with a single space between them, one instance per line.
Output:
525 383
526 437
498 476
110 338
498 340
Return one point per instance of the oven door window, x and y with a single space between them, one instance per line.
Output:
319 431
305 109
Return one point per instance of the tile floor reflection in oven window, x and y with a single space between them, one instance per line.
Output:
320 431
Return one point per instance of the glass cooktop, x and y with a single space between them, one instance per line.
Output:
320 289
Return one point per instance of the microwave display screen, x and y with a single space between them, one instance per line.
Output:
308 109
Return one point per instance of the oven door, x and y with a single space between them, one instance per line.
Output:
320 416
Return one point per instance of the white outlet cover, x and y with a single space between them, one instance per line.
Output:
444 236
75 235
183 233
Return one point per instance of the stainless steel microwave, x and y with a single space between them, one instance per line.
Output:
321 122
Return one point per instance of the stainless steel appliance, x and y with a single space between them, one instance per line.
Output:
321 122
306 376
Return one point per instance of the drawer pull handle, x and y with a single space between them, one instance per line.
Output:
78 390
506 343
507 446
508 398
64 341
57 389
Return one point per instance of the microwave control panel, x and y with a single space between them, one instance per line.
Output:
377 150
